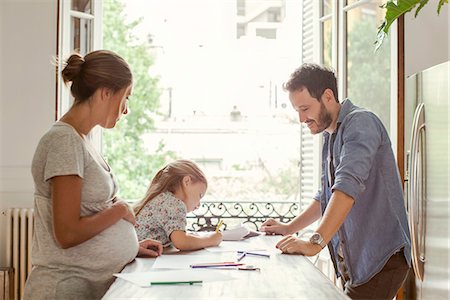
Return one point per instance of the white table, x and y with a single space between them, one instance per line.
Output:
282 276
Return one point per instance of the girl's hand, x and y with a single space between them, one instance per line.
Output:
128 214
216 238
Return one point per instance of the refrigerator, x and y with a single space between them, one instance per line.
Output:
427 181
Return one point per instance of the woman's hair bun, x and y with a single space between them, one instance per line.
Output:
73 67
97 69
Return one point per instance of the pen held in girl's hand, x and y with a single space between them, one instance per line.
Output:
219 225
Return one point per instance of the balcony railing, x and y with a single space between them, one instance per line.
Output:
251 213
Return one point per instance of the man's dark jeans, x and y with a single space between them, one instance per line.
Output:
385 284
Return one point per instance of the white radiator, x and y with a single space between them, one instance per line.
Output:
19 235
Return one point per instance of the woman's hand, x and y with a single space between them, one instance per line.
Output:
272 226
128 214
293 245
150 248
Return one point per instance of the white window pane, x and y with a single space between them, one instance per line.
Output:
327 42
368 72
81 33
327 7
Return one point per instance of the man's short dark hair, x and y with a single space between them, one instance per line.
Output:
316 79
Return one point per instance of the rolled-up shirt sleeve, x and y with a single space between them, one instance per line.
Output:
361 138
318 195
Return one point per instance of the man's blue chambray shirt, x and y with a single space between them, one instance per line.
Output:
365 169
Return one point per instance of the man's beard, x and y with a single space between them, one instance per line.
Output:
324 120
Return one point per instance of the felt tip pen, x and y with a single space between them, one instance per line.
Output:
214 266
191 282
253 253
241 256
215 263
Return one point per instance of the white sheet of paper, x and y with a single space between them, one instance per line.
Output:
235 234
143 279
228 246
184 261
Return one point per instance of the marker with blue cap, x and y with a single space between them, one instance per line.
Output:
241 256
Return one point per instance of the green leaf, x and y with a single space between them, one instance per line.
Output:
441 2
421 5
394 10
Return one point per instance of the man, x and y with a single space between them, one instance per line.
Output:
361 200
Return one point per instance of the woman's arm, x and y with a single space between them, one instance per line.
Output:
186 241
69 227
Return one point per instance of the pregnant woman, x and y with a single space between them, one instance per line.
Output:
83 232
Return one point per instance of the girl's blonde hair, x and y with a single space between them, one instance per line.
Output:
170 178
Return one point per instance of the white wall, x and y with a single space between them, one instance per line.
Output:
27 95
426 38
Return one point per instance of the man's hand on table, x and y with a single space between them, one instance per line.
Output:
293 245
271 227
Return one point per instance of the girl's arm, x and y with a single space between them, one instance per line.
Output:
187 241
70 229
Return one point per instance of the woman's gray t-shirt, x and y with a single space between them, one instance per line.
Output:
89 265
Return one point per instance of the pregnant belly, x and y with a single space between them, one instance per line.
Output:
110 250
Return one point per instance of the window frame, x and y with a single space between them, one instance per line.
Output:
339 55
65 14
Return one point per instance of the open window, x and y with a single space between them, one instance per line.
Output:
79 30
348 31
208 87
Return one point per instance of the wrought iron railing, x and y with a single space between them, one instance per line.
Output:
250 213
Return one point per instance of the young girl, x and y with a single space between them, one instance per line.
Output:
161 215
